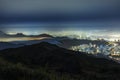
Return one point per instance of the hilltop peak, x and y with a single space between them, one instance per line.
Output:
3 34
45 35
19 34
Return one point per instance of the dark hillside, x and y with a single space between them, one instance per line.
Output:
61 62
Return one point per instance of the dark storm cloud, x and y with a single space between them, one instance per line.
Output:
25 6
58 10
89 14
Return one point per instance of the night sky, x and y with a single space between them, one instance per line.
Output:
60 16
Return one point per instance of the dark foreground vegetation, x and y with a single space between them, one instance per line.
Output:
45 61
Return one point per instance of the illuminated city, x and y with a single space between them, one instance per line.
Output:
112 50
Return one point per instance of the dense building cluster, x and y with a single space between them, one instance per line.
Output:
112 49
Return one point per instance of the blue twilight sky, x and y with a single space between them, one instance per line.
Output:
42 16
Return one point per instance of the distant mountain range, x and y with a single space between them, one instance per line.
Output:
2 34
45 61
43 35
18 35
64 42
23 35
